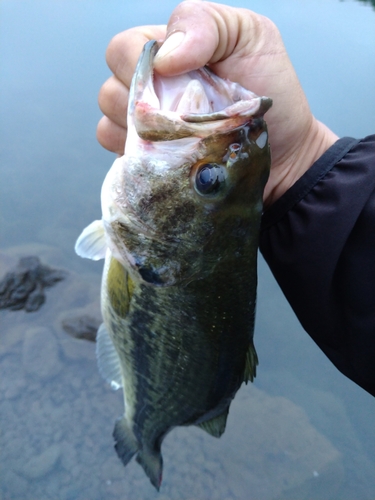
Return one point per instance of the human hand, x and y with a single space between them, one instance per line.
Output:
239 45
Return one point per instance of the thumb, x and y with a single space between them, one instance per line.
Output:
197 33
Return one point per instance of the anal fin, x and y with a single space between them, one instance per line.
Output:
126 444
215 426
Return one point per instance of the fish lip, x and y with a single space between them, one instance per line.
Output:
143 73
153 123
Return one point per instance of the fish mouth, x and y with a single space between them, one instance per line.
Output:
194 104
171 122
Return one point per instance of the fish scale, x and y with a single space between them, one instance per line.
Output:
179 233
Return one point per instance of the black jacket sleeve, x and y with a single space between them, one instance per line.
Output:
319 241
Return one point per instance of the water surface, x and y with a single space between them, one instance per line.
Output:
302 430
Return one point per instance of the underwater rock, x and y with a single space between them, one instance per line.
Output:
23 288
81 327
302 462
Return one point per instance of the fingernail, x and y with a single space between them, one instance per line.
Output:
170 44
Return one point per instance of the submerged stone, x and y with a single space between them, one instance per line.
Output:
24 287
81 327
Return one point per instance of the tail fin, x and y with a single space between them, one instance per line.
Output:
126 444
152 463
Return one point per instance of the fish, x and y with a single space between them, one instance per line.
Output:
181 212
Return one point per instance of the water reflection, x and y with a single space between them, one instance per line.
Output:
302 430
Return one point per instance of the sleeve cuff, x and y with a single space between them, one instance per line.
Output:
307 182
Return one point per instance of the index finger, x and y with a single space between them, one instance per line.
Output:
124 49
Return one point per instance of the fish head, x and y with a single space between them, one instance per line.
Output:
196 161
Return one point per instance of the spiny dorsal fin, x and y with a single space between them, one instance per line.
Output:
215 426
91 243
108 361
251 364
120 287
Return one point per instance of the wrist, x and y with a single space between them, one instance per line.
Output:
283 175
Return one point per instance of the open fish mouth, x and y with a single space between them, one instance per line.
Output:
155 200
195 104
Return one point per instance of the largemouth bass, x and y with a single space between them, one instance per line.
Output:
179 233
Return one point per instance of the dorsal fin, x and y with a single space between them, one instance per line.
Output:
215 426
251 364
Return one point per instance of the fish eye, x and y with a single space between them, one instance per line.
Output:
210 178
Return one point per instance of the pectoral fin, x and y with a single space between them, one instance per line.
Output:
91 243
216 426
